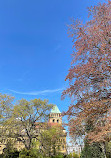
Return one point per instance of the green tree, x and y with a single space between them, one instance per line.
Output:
9 151
92 150
6 105
108 150
50 140
27 119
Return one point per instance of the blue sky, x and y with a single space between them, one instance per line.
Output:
34 47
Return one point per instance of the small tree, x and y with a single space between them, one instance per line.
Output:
50 140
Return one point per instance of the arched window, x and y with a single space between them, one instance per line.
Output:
57 121
53 120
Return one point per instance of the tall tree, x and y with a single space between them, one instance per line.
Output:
90 75
27 120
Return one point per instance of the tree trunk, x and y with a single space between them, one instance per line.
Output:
103 149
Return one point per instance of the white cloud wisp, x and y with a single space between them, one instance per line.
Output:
37 92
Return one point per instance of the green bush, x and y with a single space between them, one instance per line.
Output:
73 155
92 151
108 150
58 156
9 151
33 153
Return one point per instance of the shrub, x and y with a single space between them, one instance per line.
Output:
92 151
73 155
33 153
9 151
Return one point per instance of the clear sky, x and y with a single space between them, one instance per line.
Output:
34 46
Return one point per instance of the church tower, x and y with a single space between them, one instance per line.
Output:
55 116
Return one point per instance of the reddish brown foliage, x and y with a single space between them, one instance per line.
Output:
90 75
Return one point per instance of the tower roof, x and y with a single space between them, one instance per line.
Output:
55 109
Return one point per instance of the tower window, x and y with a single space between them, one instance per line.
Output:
53 120
57 121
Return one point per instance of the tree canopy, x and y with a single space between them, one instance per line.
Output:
50 140
26 119
90 76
